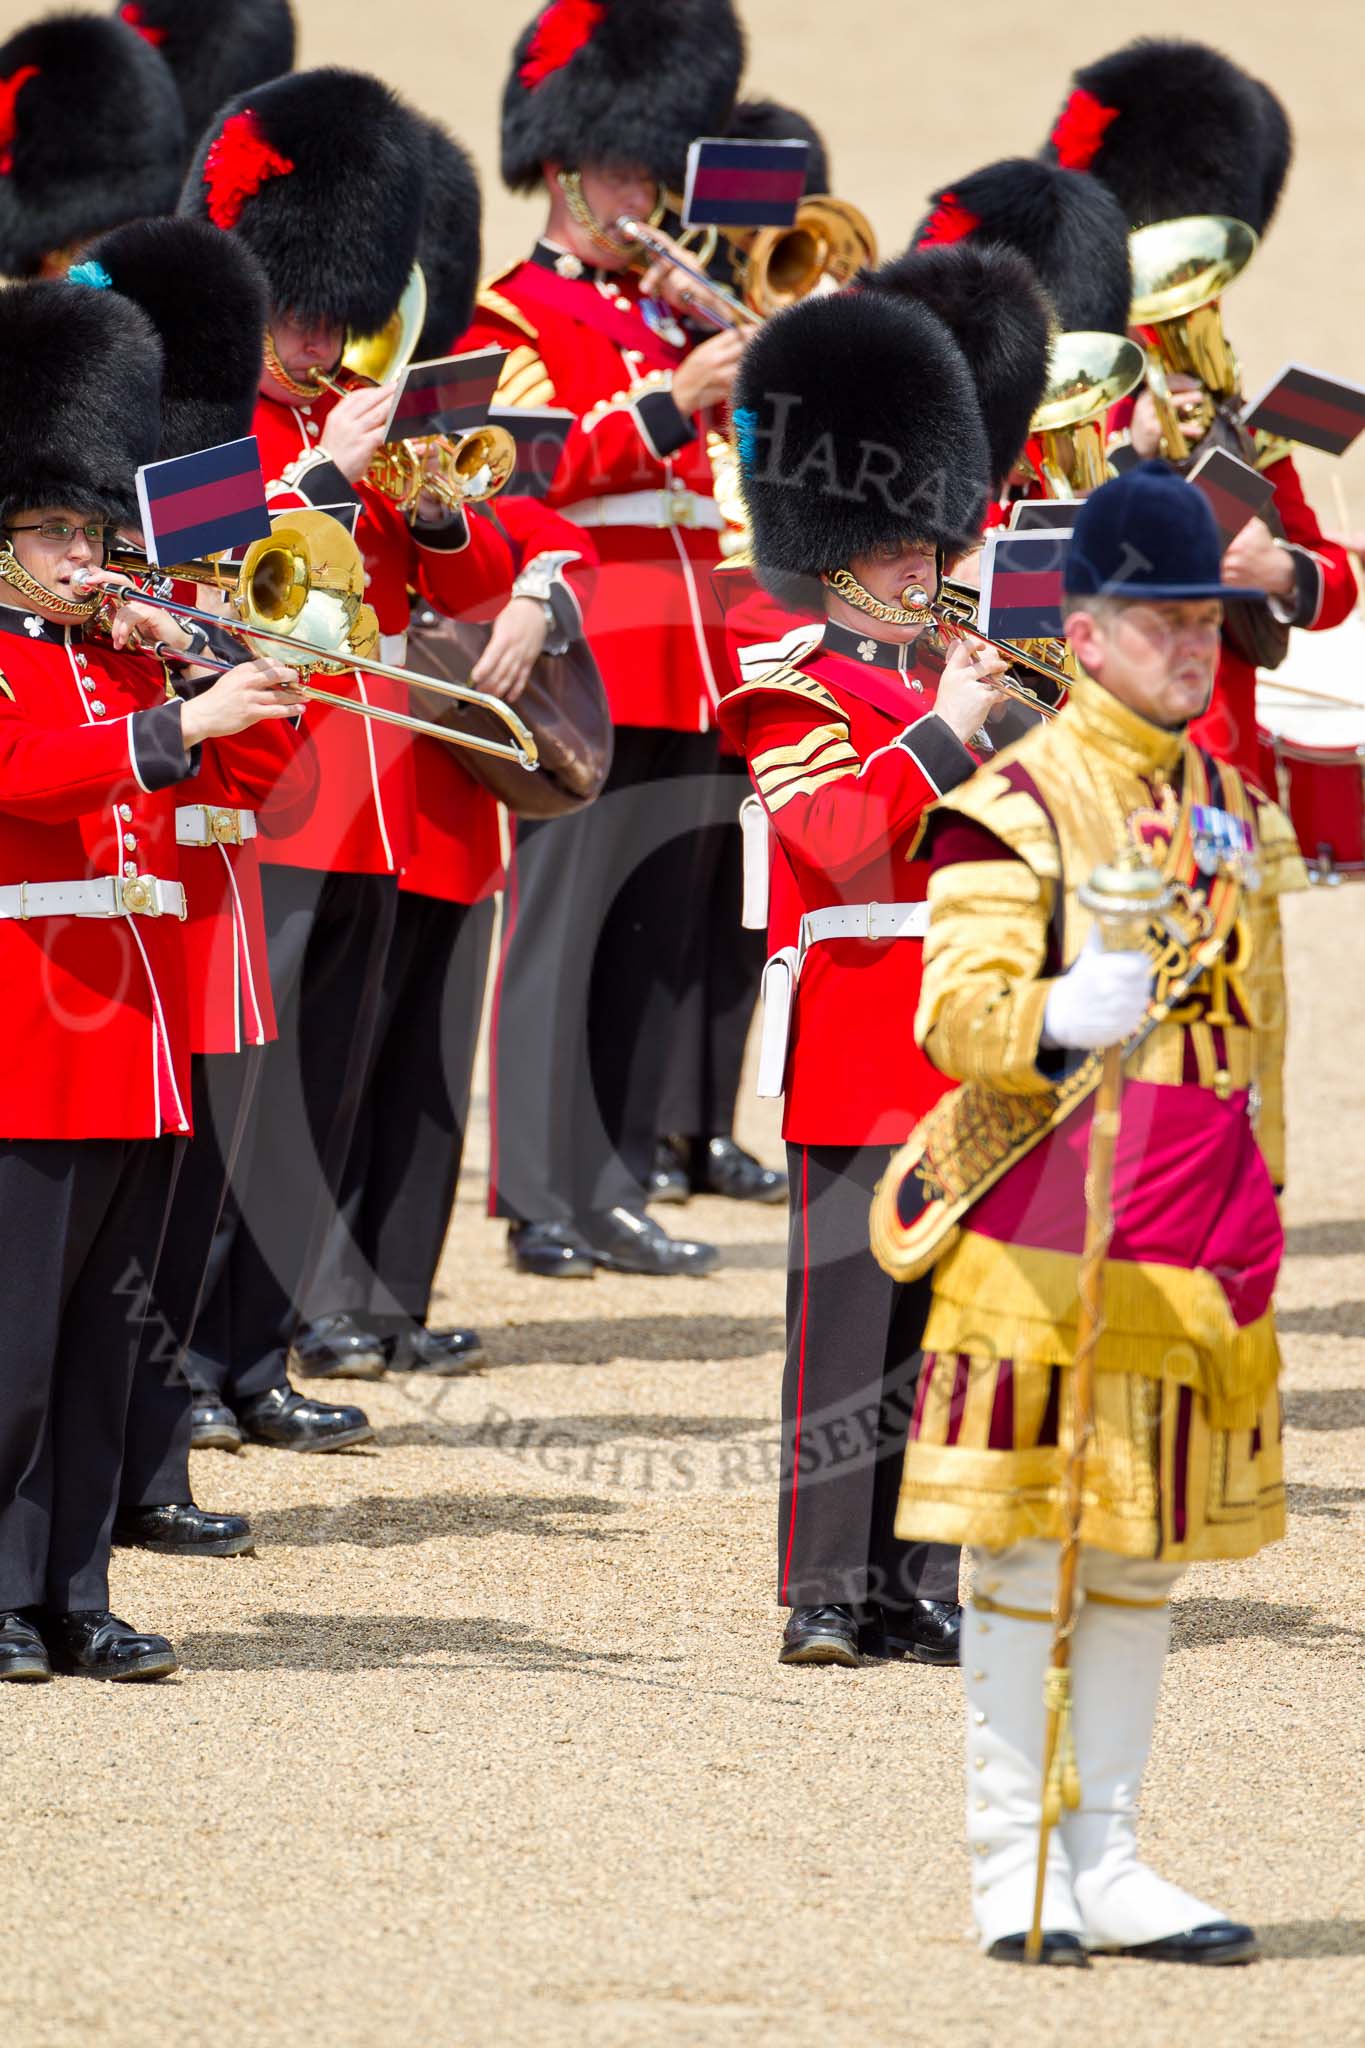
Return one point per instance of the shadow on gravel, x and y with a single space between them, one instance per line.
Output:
1342 1239
756 1258
378 1642
1289 1939
1336 1501
661 1338
1322 1408
383 1522
1332 1319
1200 1624
576 1430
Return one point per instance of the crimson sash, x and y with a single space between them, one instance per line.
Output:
584 303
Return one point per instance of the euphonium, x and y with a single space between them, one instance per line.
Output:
1181 268
1087 374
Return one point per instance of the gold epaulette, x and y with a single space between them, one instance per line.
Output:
1013 815
789 680
1282 864
1270 448
492 301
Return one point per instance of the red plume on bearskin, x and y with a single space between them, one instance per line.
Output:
133 15
1080 130
237 165
562 31
10 89
619 81
950 221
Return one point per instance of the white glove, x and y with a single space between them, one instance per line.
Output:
1100 1000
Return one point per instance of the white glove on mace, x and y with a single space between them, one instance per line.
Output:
1100 1000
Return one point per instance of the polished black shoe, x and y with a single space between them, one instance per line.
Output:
1063 1949
95 1644
183 1530
22 1656
669 1179
1216 1942
721 1167
552 1251
338 1347
214 1427
443 1352
628 1241
928 1631
821 1635
285 1421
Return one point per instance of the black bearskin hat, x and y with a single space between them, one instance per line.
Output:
768 121
990 300
215 48
1174 128
619 81
1071 229
91 134
81 374
207 297
322 174
858 424
450 243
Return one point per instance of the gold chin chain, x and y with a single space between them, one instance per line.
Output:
571 185
845 585
38 593
281 376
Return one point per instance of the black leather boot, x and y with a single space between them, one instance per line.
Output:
285 1421
183 1530
93 1643
821 1635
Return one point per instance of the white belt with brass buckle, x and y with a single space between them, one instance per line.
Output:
106 896
647 508
207 825
865 921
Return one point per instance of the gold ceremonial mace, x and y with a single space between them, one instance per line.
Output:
1123 899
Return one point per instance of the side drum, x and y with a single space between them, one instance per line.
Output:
1313 752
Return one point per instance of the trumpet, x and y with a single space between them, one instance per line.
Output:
299 596
640 235
957 607
827 244
469 470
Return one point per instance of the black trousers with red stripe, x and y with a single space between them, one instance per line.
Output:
848 1394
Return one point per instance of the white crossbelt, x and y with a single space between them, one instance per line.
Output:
208 825
783 971
106 896
647 508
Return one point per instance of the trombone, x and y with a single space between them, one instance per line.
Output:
299 595
957 607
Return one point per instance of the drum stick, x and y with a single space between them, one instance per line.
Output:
1314 696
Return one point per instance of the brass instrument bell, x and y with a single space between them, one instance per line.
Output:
1088 372
1181 268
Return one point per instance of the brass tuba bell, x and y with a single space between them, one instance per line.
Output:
1181 268
1088 372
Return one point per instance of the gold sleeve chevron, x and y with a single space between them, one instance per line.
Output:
821 756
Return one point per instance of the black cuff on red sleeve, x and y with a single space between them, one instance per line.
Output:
1307 586
158 746
446 539
938 751
324 484
665 428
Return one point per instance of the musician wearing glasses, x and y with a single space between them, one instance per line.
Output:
600 106
95 756
857 488
269 172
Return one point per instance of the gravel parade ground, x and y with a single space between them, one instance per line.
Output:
495 1713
